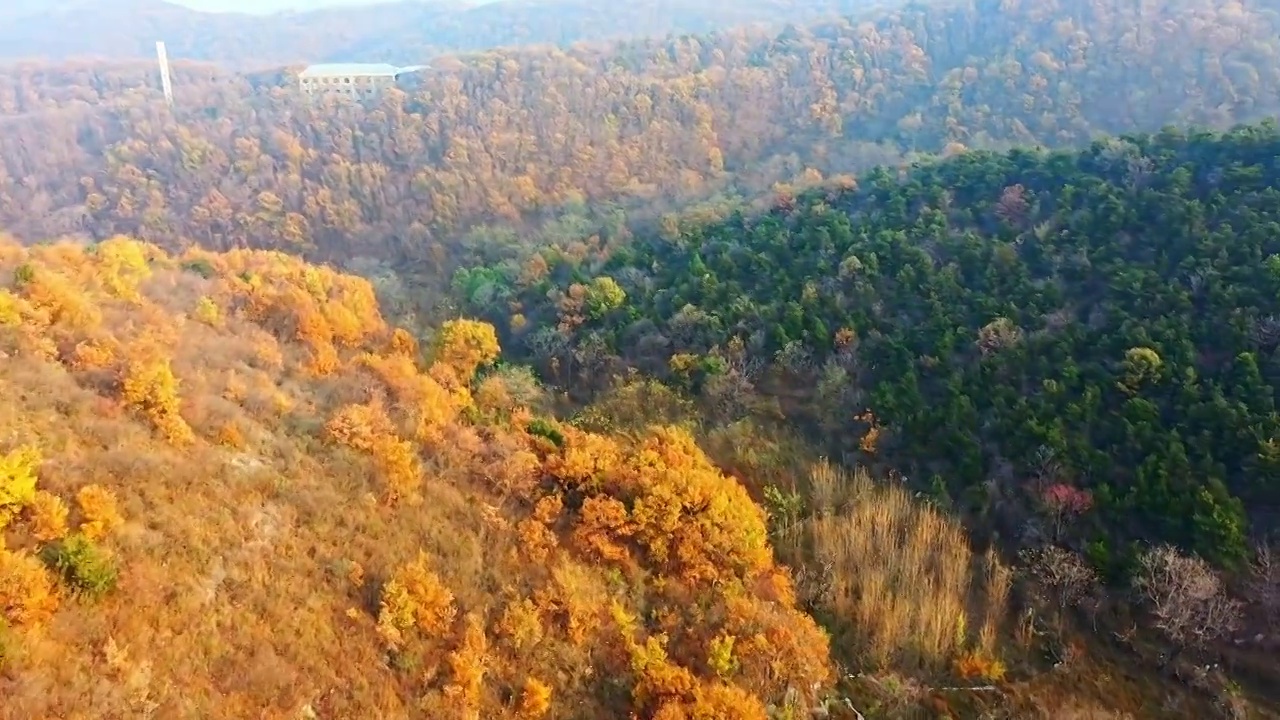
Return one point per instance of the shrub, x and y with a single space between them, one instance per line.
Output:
414 598
976 666
201 267
86 568
545 429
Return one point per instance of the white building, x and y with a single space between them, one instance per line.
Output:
355 80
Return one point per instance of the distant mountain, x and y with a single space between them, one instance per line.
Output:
392 32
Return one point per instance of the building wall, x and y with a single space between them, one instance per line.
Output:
354 86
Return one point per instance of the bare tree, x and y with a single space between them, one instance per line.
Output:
1012 207
997 335
795 357
1264 584
729 394
1063 572
1186 598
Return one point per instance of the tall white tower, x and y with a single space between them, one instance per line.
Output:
164 73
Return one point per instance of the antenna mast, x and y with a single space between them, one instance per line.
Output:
164 73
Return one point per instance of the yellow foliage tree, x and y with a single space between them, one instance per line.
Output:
123 266
536 541
521 624
431 405
207 311
414 598
401 470
536 538
92 355
57 297
359 426
17 481
151 388
462 346
100 510
691 521
728 609
668 690
10 309
602 523
323 360
717 701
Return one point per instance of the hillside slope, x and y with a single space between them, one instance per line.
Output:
229 489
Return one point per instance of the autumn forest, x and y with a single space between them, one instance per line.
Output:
796 360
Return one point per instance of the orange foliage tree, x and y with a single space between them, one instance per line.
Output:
367 428
724 632
100 510
28 595
468 665
415 599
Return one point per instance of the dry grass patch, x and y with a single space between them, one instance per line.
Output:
901 581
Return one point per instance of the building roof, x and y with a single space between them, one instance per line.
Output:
356 69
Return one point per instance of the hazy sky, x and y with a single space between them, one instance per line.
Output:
266 6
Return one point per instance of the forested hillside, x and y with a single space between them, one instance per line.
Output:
515 138
395 32
993 326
